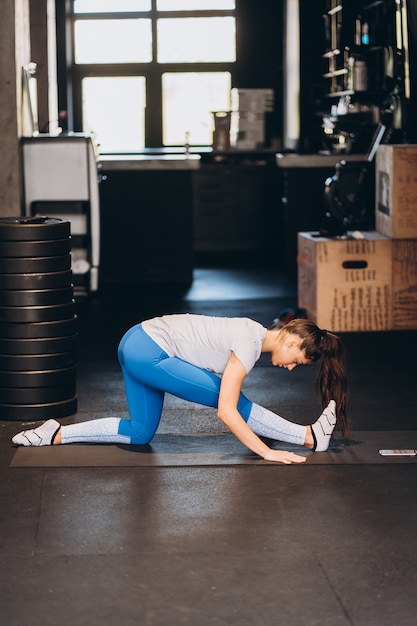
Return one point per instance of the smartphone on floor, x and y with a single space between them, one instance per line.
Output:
398 452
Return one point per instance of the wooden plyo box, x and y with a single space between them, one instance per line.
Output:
396 191
404 284
346 284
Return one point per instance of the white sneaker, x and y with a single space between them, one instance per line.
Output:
40 436
323 429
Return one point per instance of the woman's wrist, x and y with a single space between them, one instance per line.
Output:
268 454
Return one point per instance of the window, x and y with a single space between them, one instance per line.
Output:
149 73
114 109
187 101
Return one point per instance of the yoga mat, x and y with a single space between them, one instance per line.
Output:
173 450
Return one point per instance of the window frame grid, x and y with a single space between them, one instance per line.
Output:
151 71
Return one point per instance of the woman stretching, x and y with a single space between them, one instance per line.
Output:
205 360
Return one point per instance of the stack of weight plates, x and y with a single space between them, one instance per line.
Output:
38 324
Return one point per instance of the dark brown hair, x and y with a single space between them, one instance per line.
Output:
331 380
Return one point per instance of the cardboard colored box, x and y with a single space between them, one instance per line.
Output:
346 284
396 191
404 281
257 100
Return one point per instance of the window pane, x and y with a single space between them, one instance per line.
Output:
192 5
188 99
196 40
114 110
113 41
111 6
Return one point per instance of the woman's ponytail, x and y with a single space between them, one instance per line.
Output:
331 380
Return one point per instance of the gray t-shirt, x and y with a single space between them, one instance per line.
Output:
208 341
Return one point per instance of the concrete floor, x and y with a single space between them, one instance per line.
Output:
325 545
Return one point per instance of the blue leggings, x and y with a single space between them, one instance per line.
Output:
149 372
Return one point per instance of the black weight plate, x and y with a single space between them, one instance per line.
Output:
38 346
40 330
33 228
32 265
46 378
31 362
35 297
27 412
37 314
37 395
52 280
26 249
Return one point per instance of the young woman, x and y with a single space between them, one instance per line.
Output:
205 360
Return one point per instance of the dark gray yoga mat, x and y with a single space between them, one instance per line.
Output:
174 450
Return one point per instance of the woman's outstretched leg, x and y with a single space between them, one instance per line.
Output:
317 436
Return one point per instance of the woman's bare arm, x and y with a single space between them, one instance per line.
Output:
230 388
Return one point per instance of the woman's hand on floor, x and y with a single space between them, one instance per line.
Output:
282 456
